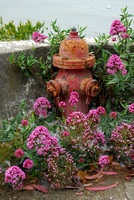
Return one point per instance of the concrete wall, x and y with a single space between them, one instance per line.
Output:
14 85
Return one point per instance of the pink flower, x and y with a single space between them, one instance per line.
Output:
122 139
131 108
117 28
114 64
24 122
28 163
113 115
75 118
74 98
37 37
93 116
114 39
81 160
99 137
65 134
62 105
19 153
124 35
15 175
132 156
101 110
103 161
42 142
0 170
124 72
75 94
73 101
40 106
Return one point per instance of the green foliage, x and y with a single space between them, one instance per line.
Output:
31 66
115 89
10 32
13 135
102 40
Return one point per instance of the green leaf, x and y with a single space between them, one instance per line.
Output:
108 105
104 54
19 119
51 117
113 81
122 85
10 136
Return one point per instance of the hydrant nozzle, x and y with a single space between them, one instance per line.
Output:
57 87
89 87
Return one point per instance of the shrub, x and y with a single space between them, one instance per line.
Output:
21 32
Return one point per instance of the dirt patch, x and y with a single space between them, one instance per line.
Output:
115 193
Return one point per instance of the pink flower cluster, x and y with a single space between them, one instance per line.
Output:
94 118
131 108
60 176
114 64
117 28
74 98
19 153
101 111
37 37
103 161
75 118
43 143
65 134
99 138
81 131
28 164
24 122
122 139
124 35
62 105
81 160
132 156
91 120
40 106
113 114
15 175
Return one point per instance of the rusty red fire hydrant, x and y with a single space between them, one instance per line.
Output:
74 61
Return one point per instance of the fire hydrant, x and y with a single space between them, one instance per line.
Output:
74 61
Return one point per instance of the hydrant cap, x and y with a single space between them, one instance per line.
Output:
73 47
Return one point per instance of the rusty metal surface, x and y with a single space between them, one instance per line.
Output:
92 88
89 87
74 79
74 63
72 49
73 54
53 88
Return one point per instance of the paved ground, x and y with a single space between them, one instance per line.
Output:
123 191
